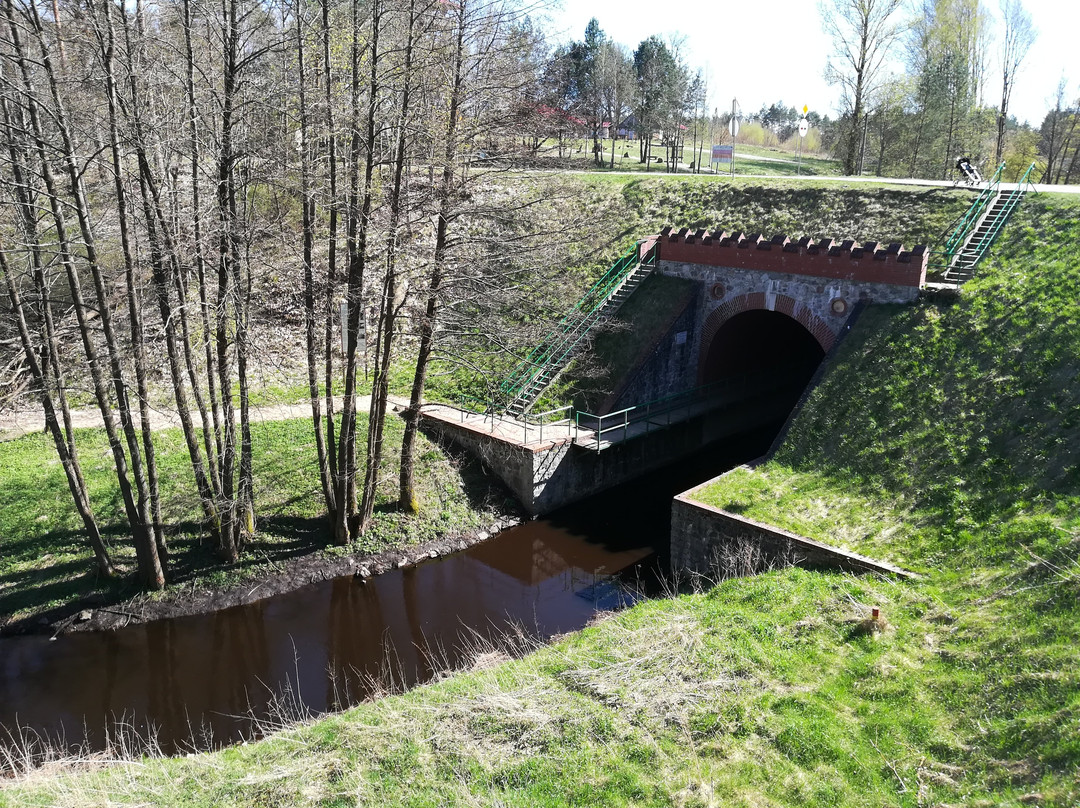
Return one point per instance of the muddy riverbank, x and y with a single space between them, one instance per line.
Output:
96 613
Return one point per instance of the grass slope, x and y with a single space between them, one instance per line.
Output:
944 438
45 561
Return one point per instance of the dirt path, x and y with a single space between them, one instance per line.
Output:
24 422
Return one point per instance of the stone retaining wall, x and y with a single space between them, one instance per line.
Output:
715 543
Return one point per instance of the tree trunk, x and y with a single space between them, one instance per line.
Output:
360 210
213 450
69 461
388 318
151 574
406 483
331 262
165 271
134 303
308 226
226 279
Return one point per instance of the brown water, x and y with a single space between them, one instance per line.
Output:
202 681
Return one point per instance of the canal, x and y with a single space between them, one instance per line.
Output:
207 680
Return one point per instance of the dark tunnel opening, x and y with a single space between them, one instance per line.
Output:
774 351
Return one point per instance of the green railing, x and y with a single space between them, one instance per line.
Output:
959 235
995 224
556 347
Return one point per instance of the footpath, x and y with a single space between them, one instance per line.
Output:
17 423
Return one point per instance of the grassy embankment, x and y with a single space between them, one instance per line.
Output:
944 438
818 208
44 560
611 211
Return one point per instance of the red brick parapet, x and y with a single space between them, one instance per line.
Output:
872 262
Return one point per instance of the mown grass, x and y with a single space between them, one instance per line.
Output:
45 561
578 156
943 437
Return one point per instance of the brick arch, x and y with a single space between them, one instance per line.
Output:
784 304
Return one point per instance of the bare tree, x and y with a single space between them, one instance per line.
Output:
391 302
1017 40
616 87
862 32
359 213
61 200
307 201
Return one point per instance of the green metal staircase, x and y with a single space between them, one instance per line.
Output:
541 367
973 236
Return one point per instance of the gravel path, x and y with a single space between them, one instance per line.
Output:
23 422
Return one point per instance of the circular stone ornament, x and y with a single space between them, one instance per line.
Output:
838 306
716 292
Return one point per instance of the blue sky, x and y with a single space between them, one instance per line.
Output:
775 50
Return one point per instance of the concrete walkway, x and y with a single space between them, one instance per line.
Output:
506 429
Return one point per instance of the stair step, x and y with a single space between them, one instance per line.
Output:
558 349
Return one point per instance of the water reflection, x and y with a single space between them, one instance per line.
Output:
200 679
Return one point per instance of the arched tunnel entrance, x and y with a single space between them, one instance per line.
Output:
768 352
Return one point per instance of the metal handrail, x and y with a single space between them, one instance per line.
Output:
530 423
625 418
539 354
1012 200
561 341
534 424
970 219
539 420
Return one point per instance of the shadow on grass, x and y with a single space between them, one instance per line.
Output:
280 539
76 584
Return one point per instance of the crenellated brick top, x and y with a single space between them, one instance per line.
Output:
872 262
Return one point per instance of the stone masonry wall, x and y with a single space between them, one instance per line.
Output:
782 278
546 476
715 543
669 367
815 283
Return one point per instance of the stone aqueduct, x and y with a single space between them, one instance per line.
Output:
816 283
793 296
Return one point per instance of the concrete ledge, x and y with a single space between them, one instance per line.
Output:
713 542
545 476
